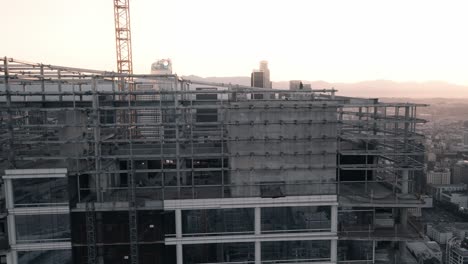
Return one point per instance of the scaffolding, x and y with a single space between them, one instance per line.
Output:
132 147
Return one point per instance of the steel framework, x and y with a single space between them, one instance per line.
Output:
59 116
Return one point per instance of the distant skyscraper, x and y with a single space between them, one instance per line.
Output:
266 74
257 79
261 78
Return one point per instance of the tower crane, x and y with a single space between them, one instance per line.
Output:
123 42
123 39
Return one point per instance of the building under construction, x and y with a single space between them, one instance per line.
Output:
100 167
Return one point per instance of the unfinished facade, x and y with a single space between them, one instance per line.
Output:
167 170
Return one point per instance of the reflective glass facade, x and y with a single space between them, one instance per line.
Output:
40 228
33 192
216 253
295 251
218 221
281 219
45 257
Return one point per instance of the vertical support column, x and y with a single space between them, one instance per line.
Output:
334 250
403 211
180 257
97 140
258 231
258 252
373 251
404 182
11 225
11 149
334 218
42 83
178 225
404 217
177 135
258 220
404 190
12 257
9 194
59 75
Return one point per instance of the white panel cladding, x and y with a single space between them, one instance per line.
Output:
252 238
39 210
35 173
42 246
251 202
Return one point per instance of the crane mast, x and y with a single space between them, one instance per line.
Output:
123 39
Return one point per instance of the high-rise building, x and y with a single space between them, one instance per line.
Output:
261 78
234 179
257 79
460 172
266 74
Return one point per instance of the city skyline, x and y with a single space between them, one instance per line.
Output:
333 41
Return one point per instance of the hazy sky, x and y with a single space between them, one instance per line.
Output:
338 41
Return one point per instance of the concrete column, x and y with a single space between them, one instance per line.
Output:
9 194
404 190
258 221
180 257
258 252
258 231
404 182
11 225
178 223
12 257
373 251
334 251
404 217
178 226
334 218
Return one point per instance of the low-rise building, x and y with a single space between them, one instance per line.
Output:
425 250
436 190
440 233
443 232
457 252
458 198
438 176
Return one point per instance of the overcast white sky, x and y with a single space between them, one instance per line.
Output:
331 40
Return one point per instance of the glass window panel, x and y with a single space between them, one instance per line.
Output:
169 223
354 250
216 253
218 221
45 257
276 219
40 191
207 177
296 251
37 228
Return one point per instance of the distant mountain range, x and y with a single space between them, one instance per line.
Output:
368 89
